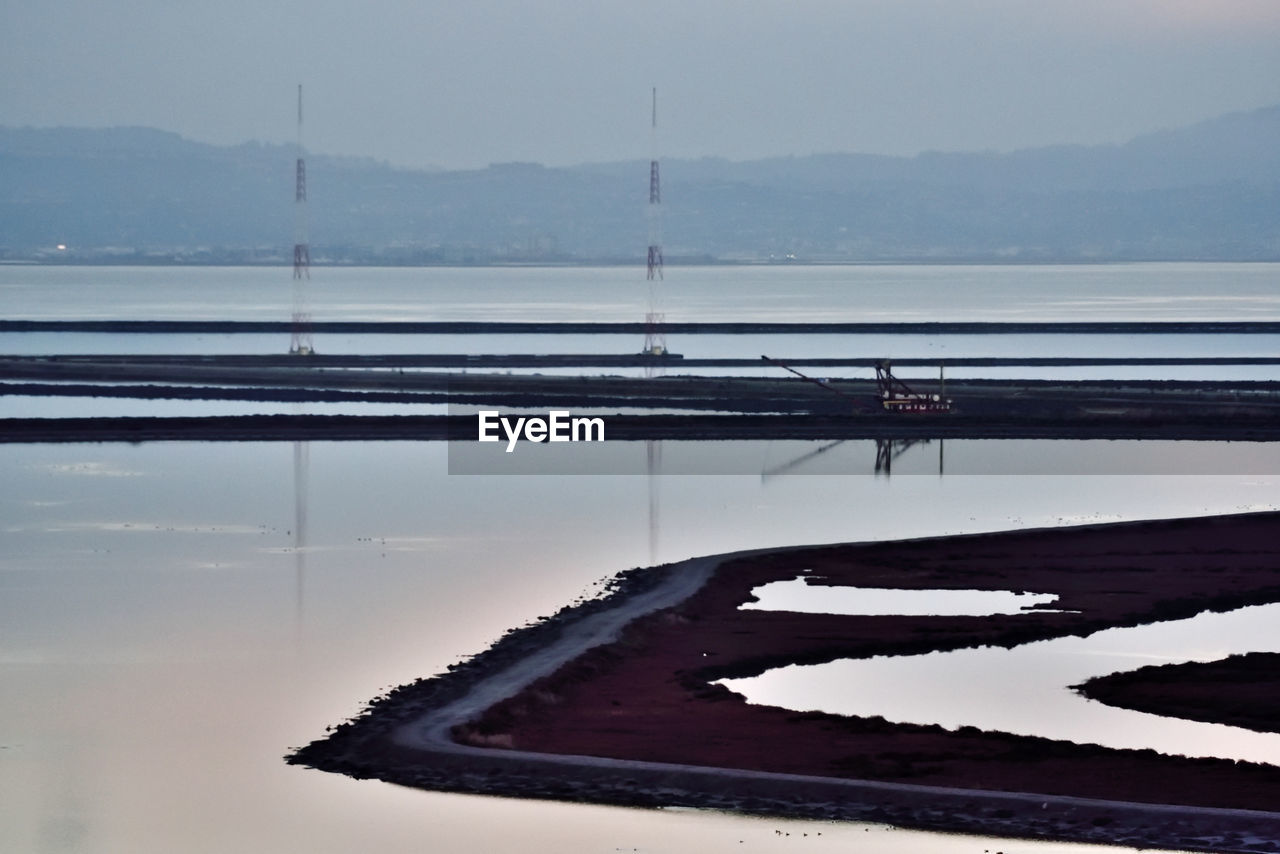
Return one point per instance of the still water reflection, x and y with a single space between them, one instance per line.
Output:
174 617
163 644
806 595
1026 690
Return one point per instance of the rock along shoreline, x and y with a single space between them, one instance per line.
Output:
405 737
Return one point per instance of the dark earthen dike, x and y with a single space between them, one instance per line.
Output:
645 700
621 428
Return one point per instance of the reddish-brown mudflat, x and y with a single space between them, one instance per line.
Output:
1243 691
648 696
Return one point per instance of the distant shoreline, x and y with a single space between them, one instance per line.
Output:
485 327
284 263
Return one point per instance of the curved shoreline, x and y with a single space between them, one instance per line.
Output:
432 730
406 739
1238 691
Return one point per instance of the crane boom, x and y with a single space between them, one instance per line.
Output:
895 395
809 379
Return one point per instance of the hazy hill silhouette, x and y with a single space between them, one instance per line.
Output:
1206 191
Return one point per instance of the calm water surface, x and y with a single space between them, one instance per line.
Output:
1033 685
166 638
175 616
836 293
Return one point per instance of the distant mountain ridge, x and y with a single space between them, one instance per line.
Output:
1207 191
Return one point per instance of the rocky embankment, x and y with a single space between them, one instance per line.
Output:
507 756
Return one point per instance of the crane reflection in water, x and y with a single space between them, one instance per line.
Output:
887 451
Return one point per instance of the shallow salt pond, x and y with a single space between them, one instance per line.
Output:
802 595
1026 690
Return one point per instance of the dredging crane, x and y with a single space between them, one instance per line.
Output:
897 396
894 395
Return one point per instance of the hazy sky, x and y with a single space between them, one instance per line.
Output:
467 82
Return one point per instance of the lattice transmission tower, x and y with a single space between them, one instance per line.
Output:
655 339
301 343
